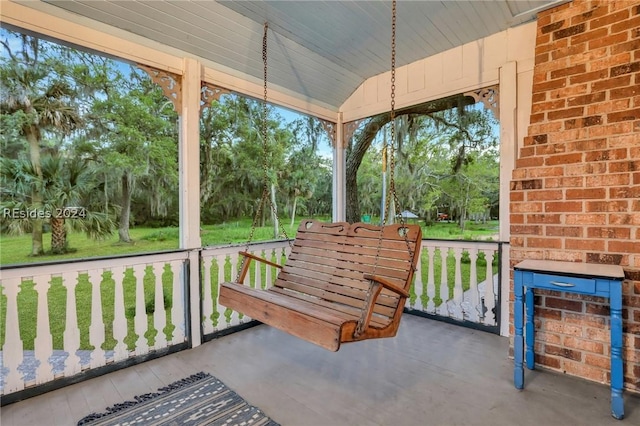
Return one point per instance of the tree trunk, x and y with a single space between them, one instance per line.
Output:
33 137
354 158
392 208
293 210
125 212
353 206
363 140
274 212
106 193
58 236
463 209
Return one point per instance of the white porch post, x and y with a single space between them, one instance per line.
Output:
339 173
508 147
189 168
189 157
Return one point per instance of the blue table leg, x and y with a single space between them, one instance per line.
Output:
529 333
518 341
617 375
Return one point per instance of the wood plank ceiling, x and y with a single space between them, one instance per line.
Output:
320 51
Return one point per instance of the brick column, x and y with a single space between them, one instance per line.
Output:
575 193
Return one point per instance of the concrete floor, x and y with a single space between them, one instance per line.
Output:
432 373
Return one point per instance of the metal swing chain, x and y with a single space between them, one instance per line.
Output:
265 135
265 177
392 165
375 286
392 116
265 152
392 161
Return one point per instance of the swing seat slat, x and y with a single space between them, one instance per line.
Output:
326 292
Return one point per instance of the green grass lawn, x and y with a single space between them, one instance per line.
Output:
451 231
16 249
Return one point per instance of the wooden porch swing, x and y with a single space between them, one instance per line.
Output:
341 282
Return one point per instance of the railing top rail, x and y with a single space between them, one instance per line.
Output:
107 262
80 260
464 244
235 248
58 267
80 265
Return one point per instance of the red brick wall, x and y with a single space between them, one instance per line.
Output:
575 193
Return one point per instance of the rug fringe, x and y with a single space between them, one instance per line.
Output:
145 397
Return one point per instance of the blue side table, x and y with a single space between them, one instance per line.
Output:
582 278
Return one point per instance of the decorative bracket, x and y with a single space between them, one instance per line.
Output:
490 97
209 93
169 82
330 128
348 130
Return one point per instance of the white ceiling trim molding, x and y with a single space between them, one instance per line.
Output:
320 51
78 31
276 95
463 69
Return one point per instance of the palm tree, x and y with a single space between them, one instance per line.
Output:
64 184
33 88
67 183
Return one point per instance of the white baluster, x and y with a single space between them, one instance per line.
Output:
220 322
431 286
444 282
12 349
71 336
119 320
96 330
235 317
489 293
159 314
257 282
207 300
455 305
43 343
418 286
177 308
140 317
474 310
270 255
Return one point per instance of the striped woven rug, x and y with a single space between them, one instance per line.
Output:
200 399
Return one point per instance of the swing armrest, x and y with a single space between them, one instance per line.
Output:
260 259
245 265
376 283
387 284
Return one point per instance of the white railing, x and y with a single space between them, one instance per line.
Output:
466 288
88 314
220 264
66 318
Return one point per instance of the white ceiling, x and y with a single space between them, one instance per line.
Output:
319 50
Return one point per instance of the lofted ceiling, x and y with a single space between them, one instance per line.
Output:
320 51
